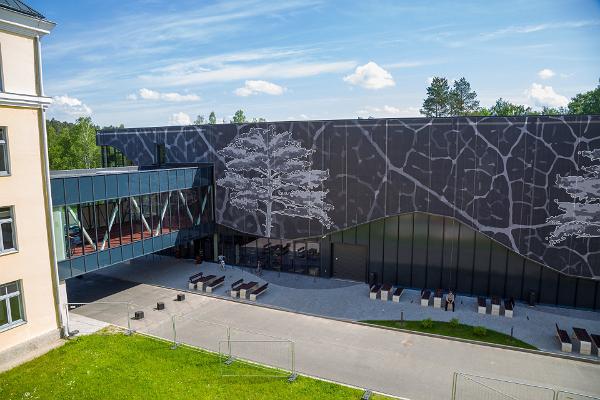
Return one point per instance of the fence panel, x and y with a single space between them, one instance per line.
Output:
473 387
242 358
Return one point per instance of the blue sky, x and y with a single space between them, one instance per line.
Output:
152 62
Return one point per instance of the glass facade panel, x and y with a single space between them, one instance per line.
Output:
136 213
61 233
287 255
174 211
250 253
113 234
75 234
313 257
146 216
262 246
300 257
125 216
88 227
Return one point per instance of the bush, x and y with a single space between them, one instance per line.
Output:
427 323
454 323
479 331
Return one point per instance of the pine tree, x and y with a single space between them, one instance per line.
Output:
438 95
212 118
463 101
269 173
581 217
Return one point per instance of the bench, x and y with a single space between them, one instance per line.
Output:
374 291
210 287
204 281
247 287
425 295
565 340
584 339
596 343
397 293
385 292
481 305
193 280
509 305
233 292
437 298
255 293
496 302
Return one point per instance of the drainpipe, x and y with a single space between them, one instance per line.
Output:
48 194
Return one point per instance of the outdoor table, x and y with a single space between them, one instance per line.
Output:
495 305
425 298
585 342
437 298
385 292
247 287
596 343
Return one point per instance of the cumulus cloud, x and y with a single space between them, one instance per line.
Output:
255 87
546 73
147 94
545 96
388 111
180 118
69 106
370 76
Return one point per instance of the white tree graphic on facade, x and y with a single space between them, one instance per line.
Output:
269 173
581 217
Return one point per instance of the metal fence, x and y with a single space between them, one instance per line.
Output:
475 387
257 358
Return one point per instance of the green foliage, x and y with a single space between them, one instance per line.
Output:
436 104
199 120
586 103
479 331
73 146
462 100
239 117
454 323
212 118
504 108
427 323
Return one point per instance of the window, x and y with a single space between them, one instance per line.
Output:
7 230
161 154
4 165
1 75
11 305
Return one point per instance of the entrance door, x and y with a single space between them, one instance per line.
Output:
350 262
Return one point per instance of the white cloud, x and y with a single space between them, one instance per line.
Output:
147 94
69 107
180 118
388 111
546 73
545 96
370 76
255 87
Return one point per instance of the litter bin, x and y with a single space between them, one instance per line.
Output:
532 298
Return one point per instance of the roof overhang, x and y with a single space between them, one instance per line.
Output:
24 24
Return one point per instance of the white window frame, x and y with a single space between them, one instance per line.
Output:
6 298
4 149
1 72
9 220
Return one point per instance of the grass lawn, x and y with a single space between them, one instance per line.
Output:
459 331
115 366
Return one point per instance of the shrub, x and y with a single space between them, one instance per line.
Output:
479 331
427 323
454 323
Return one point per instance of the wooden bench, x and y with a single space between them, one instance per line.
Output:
565 340
596 343
385 292
437 298
584 339
193 280
496 302
235 288
246 288
509 306
210 287
425 295
374 291
205 280
397 294
257 292
481 305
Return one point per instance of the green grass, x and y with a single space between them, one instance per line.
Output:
115 366
456 330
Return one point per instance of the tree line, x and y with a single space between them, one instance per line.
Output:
459 99
238 118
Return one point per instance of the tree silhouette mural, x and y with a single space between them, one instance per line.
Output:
269 173
581 217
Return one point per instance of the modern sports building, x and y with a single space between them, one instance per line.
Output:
485 206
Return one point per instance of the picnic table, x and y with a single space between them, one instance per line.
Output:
425 294
246 287
204 281
584 339
596 343
385 291
496 305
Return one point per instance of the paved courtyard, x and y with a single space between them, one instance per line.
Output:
350 300
408 365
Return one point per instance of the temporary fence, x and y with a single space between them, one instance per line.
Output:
474 387
257 358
